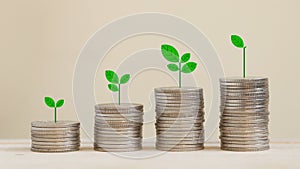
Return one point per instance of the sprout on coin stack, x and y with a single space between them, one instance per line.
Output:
179 110
55 136
118 127
244 110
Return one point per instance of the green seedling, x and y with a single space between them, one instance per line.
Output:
179 64
238 42
51 103
115 82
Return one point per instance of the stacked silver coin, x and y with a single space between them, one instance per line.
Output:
118 128
179 119
62 136
244 114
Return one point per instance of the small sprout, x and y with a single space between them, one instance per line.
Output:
115 82
51 103
238 42
172 55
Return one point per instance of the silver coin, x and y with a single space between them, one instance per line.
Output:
233 132
117 150
73 132
244 145
243 114
181 146
178 90
244 120
58 150
115 146
245 142
179 99
248 78
111 118
246 112
128 134
179 96
244 117
116 113
103 132
52 124
244 109
179 115
55 135
54 139
174 142
179 137
243 129
250 136
54 129
114 121
176 139
225 88
117 142
178 125
244 85
244 137
115 136
76 142
178 109
243 100
249 104
179 102
179 149
117 124
122 106
245 149
174 133
237 122
55 146
229 124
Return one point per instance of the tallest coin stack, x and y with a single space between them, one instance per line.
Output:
244 114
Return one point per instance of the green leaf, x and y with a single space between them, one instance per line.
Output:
60 103
173 67
189 67
237 41
170 53
124 79
185 57
111 76
113 87
49 102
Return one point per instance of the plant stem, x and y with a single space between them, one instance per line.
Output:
119 94
179 78
244 61
54 114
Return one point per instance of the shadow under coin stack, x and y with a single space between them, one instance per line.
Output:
118 128
244 114
62 136
179 119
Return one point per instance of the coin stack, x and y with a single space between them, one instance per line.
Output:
118 128
244 114
48 136
179 119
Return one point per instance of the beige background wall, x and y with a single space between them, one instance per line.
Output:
41 39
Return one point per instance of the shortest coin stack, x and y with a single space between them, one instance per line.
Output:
48 136
118 128
179 119
244 114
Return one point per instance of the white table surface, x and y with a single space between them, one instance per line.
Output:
17 155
